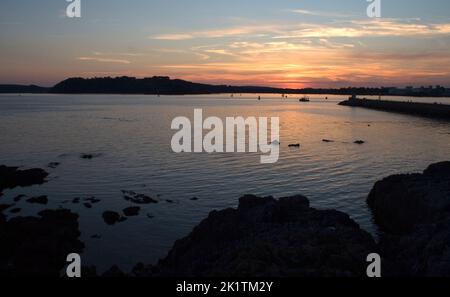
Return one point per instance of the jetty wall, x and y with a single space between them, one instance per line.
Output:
431 110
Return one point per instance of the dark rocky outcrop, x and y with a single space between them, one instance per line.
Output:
38 200
400 202
19 197
5 206
413 213
92 200
11 177
38 246
268 237
53 165
131 211
112 217
89 156
137 198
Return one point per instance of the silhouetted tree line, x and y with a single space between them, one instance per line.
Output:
163 85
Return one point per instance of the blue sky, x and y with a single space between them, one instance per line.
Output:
285 43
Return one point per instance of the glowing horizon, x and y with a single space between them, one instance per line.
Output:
283 44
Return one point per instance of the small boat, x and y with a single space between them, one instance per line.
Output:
259 97
304 99
294 145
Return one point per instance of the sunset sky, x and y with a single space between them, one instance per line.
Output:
302 43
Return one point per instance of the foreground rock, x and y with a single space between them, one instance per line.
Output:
413 211
11 177
400 202
38 246
268 237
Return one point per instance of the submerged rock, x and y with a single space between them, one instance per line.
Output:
38 246
19 197
268 237
89 156
137 198
131 211
92 200
5 206
112 217
53 165
11 177
38 200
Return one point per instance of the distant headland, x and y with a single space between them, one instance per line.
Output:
163 85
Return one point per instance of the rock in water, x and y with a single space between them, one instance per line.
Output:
18 197
268 237
11 177
89 156
112 217
131 211
53 165
137 198
38 200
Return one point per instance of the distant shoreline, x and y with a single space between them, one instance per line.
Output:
161 85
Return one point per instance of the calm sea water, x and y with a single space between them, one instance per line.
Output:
132 134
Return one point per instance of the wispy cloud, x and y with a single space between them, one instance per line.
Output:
104 60
255 30
320 13
368 28
354 28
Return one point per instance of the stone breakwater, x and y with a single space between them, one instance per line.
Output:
430 110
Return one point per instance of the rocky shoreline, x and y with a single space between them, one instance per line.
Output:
264 236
